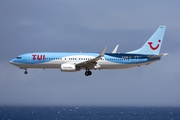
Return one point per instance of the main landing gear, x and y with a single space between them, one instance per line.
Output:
88 73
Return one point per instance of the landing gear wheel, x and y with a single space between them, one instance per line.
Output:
88 73
25 72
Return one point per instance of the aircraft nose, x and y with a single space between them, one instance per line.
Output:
12 61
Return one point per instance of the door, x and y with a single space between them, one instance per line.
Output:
28 58
136 59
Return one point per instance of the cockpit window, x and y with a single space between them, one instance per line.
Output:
18 57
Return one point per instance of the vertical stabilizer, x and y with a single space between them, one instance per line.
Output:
153 45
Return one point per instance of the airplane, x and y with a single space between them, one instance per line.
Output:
72 62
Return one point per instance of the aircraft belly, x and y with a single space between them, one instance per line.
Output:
122 66
118 66
41 65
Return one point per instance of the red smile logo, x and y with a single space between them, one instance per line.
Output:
154 48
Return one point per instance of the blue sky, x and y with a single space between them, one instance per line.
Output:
88 26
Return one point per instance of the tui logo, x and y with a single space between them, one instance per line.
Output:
154 48
39 57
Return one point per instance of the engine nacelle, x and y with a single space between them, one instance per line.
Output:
68 67
97 66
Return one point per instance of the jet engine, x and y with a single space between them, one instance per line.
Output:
69 68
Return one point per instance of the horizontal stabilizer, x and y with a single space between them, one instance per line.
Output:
158 56
115 49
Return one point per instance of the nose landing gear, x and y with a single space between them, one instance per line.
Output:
88 73
25 72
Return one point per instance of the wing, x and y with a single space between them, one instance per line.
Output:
93 62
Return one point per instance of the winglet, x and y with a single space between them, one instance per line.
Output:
103 51
115 49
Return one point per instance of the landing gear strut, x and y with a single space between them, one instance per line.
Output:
88 73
